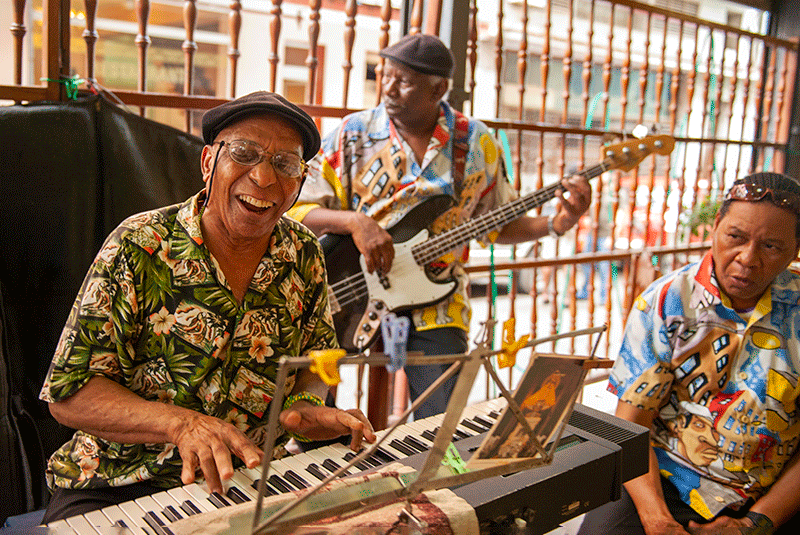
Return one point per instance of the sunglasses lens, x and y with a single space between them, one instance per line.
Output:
753 192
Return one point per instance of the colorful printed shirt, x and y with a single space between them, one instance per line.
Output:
725 386
364 165
156 315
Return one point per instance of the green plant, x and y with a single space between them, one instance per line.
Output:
699 220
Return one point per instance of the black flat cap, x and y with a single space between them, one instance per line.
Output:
262 102
423 53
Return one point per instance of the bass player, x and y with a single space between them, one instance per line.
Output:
380 163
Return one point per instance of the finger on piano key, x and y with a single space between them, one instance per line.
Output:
193 494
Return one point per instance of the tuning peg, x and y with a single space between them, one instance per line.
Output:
639 131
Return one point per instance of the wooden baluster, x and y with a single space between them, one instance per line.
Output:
416 18
689 104
566 70
545 69
386 15
142 42
234 28
472 52
597 190
745 102
433 20
732 103
498 61
662 236
781 129
675 88
189 48
274 34
766 109
625 77
706 159
311 60
613 191
651 180
351 8
90 35
522 69
715 117
18 30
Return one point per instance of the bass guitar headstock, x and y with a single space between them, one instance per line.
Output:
628 154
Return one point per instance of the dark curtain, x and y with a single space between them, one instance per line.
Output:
69 173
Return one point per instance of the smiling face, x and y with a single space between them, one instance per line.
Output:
410 97
246 202
752 244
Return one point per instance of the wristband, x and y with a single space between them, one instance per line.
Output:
762 525
302 396
551 229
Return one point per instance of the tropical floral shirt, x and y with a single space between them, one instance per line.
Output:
156 315
365 165
725 384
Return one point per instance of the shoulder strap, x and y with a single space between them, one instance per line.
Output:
460 140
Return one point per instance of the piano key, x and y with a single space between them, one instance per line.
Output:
81 525
60 527
200 495
237 496
181 496
118 518
254 474
317 471
407 449
302 467
244 484
153 515
136 517
98 519
170 507
415 443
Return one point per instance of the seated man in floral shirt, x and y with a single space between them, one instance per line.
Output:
710 363
167 364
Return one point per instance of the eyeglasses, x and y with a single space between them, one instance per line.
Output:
754 192
250 154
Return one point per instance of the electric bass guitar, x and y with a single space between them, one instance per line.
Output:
360 299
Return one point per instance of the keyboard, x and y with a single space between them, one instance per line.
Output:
595 447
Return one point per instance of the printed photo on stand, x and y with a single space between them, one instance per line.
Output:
546 396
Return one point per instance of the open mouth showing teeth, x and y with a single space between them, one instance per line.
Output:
255 205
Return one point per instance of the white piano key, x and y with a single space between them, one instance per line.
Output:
116 515
98 519
164 499
243 483
135 515
61 527
194 493
81 525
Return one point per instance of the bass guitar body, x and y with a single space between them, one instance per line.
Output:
360 299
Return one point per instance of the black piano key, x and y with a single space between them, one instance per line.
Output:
120 524
316 471
460 434
483 421
279 483
171 513
472 425
361 465
237 495
430 435
268 490
190 508
384 455
494 415
402 446
414 442
218 500
292 477
156 524
333 466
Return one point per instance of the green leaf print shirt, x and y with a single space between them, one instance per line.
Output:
156 315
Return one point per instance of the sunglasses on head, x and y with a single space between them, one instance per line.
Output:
249 153
753 192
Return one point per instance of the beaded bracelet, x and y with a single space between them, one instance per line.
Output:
302 396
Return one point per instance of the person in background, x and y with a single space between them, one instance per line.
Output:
710 362
167 364
379 163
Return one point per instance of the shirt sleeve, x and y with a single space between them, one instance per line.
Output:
90 342
324 187
642 373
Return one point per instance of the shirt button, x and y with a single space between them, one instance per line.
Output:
744 419
720 499
743 376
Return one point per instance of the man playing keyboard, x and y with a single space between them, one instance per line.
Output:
167 363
